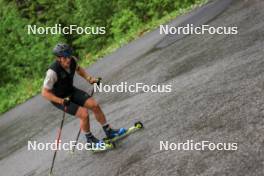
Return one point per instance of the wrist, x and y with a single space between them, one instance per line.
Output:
88 78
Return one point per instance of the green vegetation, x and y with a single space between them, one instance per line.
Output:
25 58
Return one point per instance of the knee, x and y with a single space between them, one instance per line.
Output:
83 113
94 105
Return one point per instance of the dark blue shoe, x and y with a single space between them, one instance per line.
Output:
91 139
95 144
111 133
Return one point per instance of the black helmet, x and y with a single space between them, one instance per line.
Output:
62 50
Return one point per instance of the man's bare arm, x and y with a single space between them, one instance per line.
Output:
85 75
50 96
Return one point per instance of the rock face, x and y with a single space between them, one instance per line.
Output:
217 96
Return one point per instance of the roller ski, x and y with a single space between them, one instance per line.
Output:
115 135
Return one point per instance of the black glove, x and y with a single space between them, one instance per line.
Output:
66 101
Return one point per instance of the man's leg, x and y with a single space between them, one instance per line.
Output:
83 115
100 117
78 111
84 100
94 106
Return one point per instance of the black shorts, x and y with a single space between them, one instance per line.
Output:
78 98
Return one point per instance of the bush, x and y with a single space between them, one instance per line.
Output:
124 22
22 55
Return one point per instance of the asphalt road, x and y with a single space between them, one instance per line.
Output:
217 95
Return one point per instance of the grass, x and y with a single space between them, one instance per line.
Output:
12 95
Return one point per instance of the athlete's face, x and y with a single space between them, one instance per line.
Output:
65 62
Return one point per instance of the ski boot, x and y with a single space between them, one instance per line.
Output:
113 133
93 141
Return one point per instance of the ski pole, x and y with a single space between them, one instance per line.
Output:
58 140
78 135
76 141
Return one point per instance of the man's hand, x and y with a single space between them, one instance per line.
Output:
66 101
86 76
98 81
93 80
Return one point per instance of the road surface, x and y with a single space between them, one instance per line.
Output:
217 96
